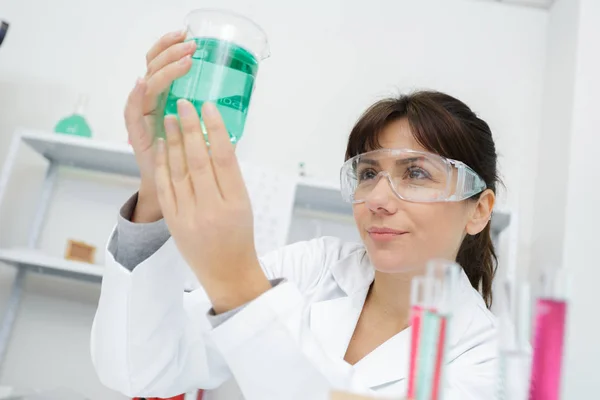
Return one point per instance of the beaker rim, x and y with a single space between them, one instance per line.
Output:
262 53
225 11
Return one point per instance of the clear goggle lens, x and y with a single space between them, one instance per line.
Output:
413 176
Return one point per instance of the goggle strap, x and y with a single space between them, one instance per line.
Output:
460 181
473 185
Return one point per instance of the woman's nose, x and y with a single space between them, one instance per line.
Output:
382 199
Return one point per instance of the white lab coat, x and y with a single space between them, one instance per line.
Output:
151 339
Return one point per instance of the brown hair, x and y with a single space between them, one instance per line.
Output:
446 126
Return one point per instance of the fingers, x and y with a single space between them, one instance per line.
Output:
225 165
180 179
164 43
175 151
161 80
170 55
196 151
162 177
134 118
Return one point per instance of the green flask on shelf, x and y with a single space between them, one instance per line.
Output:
75 124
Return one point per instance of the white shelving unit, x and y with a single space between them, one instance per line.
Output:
35 261
313 197
82 153
58 150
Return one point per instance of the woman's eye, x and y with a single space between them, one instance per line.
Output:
417 173
366 174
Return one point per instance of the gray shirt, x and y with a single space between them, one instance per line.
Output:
132 243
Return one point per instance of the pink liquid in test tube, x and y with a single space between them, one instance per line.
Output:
548 349
439 362
416 313
432 305
417 292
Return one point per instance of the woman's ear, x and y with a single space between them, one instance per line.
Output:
482 212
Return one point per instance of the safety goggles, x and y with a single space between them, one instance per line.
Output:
414 176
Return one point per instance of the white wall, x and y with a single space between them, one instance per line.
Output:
554 141
565 226
582 217
330 60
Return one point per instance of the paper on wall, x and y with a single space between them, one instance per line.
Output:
272 195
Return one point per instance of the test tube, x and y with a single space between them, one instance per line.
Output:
449 273
514 329
416 314
440 288
550 319
428 334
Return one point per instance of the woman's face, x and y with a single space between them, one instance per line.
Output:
424 230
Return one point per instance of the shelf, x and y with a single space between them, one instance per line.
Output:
36 261
320 196
90 154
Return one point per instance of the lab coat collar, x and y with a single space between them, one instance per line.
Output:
333 322
354 274
334 319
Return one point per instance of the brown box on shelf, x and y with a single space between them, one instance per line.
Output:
80 251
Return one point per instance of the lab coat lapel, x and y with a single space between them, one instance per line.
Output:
464 332
388 363
333 322
333 319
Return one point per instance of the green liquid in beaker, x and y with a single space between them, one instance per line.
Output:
222 73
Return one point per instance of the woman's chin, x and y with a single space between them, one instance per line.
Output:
390 262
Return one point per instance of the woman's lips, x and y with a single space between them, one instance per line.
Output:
384 234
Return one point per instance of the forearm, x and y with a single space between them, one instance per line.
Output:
147 209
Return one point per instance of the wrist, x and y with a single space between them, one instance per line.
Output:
147 208
228 293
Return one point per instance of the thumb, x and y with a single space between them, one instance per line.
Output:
135 122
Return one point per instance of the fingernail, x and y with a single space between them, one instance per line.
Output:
191 45
209 109
184 108
185 59
179 33
138 83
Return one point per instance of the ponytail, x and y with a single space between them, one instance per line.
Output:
477 257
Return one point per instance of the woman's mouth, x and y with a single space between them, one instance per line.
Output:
384 234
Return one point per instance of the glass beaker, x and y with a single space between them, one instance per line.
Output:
76 123
224 66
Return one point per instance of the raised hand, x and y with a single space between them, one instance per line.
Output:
206 206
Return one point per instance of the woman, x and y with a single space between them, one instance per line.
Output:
314 315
